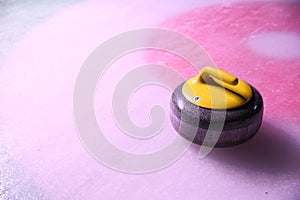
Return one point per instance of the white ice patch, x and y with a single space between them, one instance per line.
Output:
284 45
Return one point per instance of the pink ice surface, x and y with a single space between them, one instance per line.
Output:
258 42
39 134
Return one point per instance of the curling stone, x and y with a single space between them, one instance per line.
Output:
212 99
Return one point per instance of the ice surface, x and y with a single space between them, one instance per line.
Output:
43 46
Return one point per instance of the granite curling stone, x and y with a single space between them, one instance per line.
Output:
214 98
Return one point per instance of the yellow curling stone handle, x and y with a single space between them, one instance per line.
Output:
215 89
